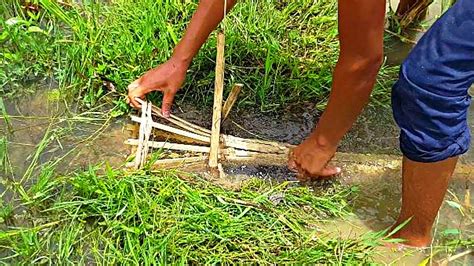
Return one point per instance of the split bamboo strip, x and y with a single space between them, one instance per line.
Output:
175 130
183 123
227 152
177 121
175 163
171 146
231 99
254 145
180 161
144 133
217 109
228 141
148 129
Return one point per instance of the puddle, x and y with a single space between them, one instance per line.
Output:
378 205
85 138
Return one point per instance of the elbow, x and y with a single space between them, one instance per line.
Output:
374 63
362 66
359 73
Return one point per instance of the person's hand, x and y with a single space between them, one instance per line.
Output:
311 161
166 78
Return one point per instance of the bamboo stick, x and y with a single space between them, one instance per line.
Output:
143 136
228 141
232 153
171 146
180 161
171 137
177 121
175 163
456 257
229 103
183 123
148 129
255 145
175 130
217 109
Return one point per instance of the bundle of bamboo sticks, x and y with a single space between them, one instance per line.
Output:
206 145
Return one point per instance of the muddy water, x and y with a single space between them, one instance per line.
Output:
84 139
396 50
377 176
379 202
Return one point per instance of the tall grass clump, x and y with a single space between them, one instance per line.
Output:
283 51
26 48
115 217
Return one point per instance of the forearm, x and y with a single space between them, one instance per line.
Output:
361 53
352 84
206 18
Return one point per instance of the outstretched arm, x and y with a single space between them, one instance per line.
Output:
361 27
169 76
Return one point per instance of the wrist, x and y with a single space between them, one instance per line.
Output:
322 142
182 59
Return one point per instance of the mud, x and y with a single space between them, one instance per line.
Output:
374 132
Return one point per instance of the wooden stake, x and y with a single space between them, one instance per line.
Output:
217 109
229 103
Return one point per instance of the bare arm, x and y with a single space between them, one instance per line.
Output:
361 27
169 76
208 15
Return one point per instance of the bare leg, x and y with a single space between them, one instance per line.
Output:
424 187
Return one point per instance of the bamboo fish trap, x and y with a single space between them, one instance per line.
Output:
195 144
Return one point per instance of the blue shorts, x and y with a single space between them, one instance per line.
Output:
430 100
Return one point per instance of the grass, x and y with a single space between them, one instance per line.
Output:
108 216
103 215
283 55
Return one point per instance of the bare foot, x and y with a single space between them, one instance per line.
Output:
412 240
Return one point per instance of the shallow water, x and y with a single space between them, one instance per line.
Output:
85 138
377 176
